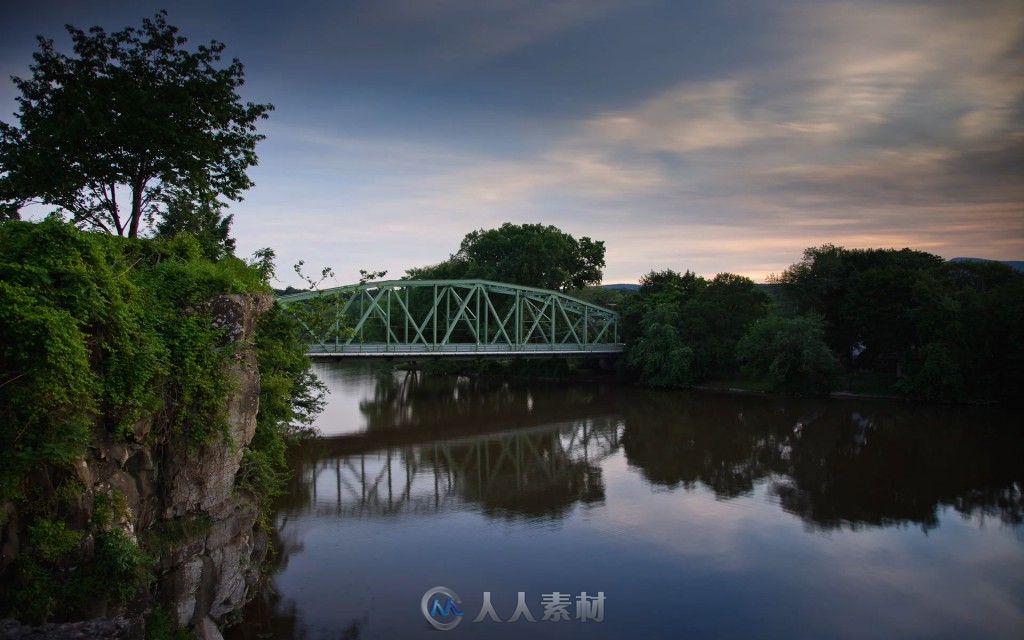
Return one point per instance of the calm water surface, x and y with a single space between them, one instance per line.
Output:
696 515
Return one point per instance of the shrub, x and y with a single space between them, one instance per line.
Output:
790 354
659 354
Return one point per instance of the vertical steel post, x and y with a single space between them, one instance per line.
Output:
552 301
519 322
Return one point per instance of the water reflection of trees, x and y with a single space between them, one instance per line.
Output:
501 447
832 463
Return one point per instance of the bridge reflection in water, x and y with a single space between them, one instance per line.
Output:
498 471
508 485
507 449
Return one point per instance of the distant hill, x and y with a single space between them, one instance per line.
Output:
631 288
1016 265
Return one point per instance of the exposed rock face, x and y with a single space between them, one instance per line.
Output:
208 575
205 571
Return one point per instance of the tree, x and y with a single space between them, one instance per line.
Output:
709 316
131 114
790 353
670 283
528 254
865 296
202 218
713 320
659 354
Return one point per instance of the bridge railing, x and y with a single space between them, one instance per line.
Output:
456 349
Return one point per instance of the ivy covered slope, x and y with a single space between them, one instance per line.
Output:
110 346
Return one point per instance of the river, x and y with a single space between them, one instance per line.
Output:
693 515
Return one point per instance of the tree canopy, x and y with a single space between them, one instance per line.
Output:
132 120
790 354
528 254
895 321
708 317
946 330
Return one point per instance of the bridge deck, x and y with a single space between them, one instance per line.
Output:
380 350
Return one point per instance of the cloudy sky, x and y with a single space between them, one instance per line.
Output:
713 137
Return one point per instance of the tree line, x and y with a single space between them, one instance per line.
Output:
882 320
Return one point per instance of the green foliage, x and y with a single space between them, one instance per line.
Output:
936 375
38 591
50 576
48 391
97 332
659 353
601 296
946 330
102 331
790 354
202 218
160 625
166 534
131 113
119 569
290 398
864 295
108 509
707 317
934 330
533 255
52 541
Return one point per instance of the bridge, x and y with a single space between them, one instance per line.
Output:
452 318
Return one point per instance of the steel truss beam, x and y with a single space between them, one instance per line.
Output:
446 316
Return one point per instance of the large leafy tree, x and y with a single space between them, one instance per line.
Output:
708 317
866 296
528 254
108 133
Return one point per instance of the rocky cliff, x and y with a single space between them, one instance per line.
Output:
177 498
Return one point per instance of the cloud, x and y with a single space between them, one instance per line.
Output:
440 36
684 136
904 120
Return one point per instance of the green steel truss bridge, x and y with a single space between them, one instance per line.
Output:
452 318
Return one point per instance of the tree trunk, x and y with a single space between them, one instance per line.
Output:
137 189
